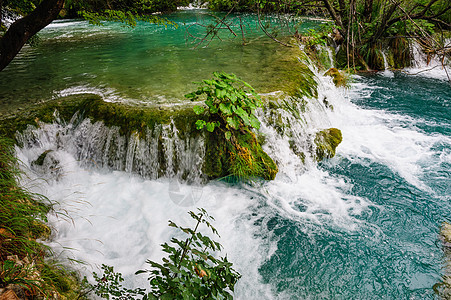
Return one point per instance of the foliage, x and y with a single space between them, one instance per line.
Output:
190 271
228 104
14 273
22 214
136 8
127 17
319 36
109 286
232 150
23 217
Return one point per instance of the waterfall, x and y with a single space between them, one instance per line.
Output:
284 236
429 65
387 71
157 152
331 56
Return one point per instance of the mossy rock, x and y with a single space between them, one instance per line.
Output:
338 77
41 158
222 157
443 289
128 117
326 142
43 112
242 159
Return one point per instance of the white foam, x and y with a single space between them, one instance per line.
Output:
431 67
120 219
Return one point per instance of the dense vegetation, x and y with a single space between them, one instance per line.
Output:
25 269
364 28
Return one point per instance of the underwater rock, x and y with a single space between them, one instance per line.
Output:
326 142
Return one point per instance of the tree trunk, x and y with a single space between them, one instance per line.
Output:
23 29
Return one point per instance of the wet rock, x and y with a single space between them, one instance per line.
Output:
326 142
339 78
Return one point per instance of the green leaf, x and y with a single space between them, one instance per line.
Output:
211 126
198 109
228 135
200 124
191 96
255 123
233 122
226 108
220 93
243 115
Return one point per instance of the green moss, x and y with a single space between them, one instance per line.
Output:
129 118
40 160
338 77
443 288
294 76
44 112
243 158
326 142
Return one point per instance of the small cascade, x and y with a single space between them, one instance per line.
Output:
291 124
157 152
326 55
387 71
331 56
429 65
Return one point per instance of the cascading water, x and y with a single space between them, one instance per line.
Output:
363 225
387 71
160 153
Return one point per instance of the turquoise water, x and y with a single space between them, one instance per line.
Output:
363 225
148 64
395 253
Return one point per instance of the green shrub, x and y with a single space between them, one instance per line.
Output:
190 271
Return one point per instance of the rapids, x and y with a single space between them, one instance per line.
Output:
362 225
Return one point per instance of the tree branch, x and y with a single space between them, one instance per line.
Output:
335 17
23 29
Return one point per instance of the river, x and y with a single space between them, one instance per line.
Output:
362 225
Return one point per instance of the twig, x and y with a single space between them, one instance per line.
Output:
267 33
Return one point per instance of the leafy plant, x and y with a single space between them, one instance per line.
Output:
319 36
190 271
13 273
230 102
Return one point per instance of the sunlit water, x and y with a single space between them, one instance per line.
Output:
363 225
